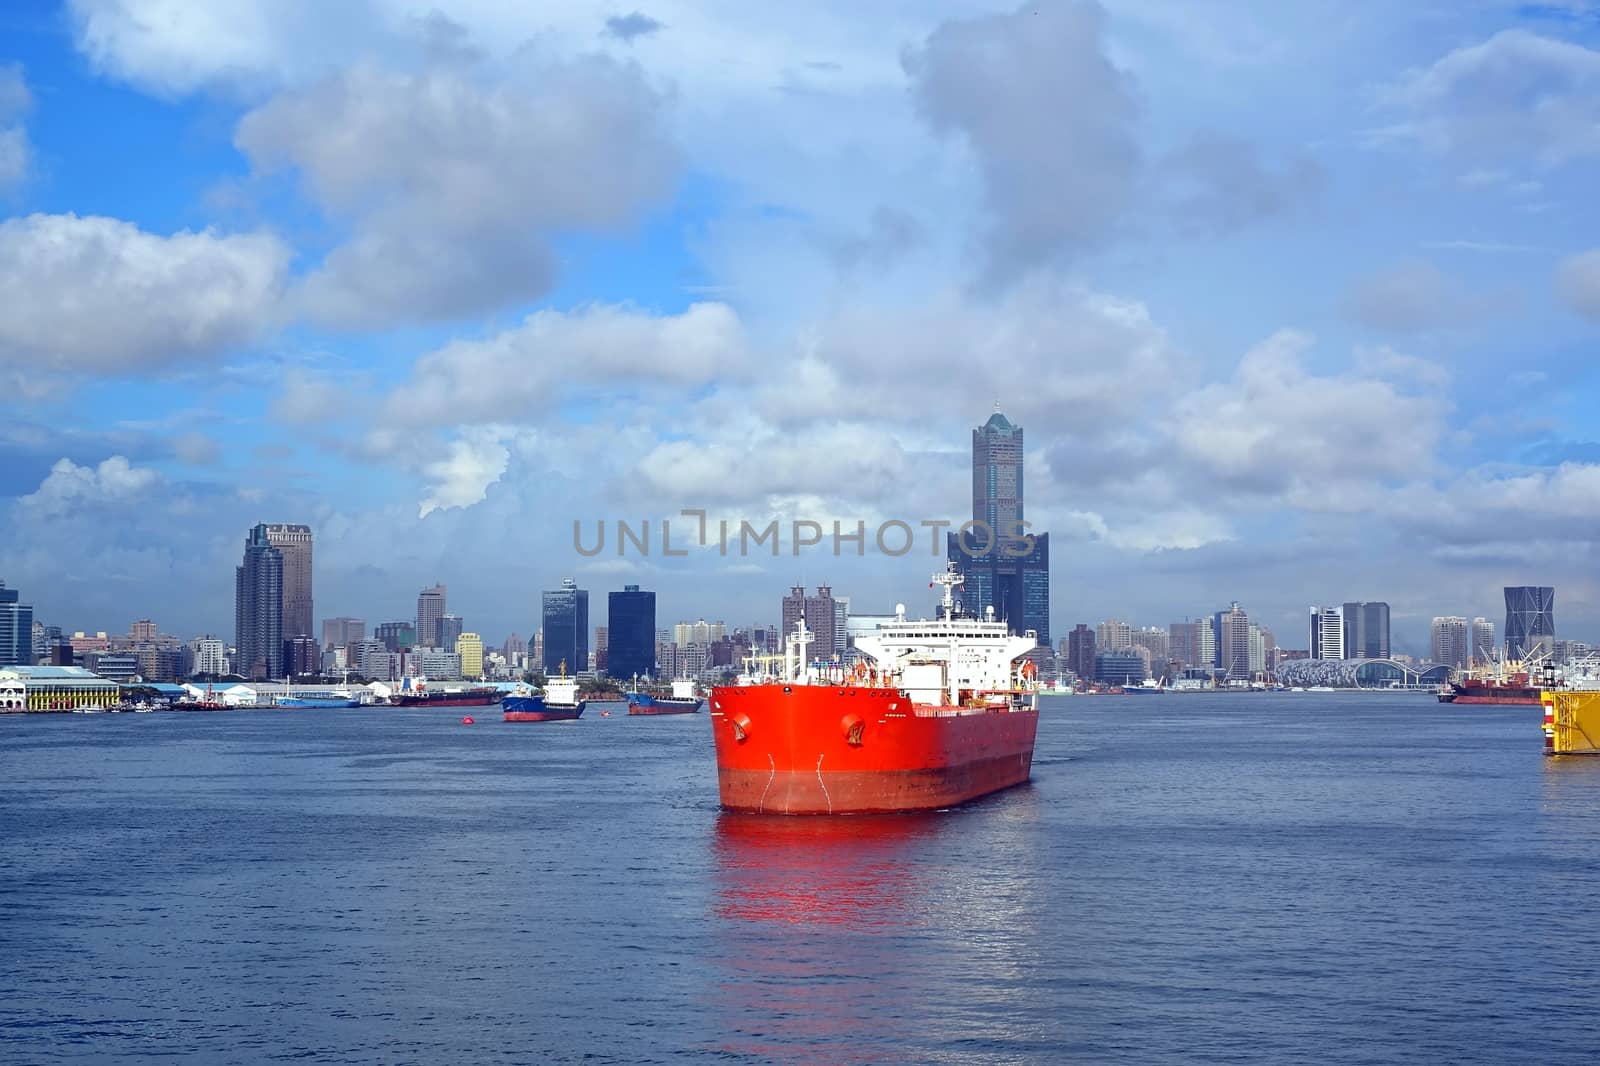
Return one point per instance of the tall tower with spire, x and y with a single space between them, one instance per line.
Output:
1000 566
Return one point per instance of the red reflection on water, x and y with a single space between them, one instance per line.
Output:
818 870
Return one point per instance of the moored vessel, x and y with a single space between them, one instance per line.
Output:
478 696
939 712
684 700
1513 687
558 702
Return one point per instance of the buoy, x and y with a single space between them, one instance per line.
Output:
467 720
605 714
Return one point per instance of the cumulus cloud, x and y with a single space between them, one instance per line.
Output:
1517 94
1315 441
1578 281
98 294
452 186
1048 118
462 476
522 370
71 489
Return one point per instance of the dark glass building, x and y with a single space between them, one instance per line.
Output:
1118 668
1530 621
631 633
397 636
258 608
1366 631
16 629
566 628
1002 570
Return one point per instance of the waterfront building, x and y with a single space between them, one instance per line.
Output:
1120 667
398 636
819 614
1257 653
371 659
566 628
1366 630
1000 568
1530 621
1081 651
294 544
436 662
55 688
1450 641
115 666
341 632
258 607
430 608
469 649
1361 673
1327 633
450 627
16 629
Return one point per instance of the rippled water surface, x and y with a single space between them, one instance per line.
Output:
1303 877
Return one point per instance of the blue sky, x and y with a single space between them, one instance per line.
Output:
1296 303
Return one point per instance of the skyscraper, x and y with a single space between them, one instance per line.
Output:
1001 569
342 632
258 608
430 608
294 544
449 629
1450 641
1232 630
566 628
631 636
820 615
16 629
1366 630
1327 633
1530 621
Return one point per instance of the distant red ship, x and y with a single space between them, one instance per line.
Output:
945 715
1515 688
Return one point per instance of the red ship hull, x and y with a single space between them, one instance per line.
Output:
1520 699
819 749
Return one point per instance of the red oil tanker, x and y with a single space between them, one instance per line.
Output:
942 714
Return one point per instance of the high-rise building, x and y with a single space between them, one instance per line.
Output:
16 628
210 657
398 636
701 632
1232 631
1081 651
1000 568
1450 641
372 659
1482 649
1112 635
450 626
469 646
1154 640
1530 621
430 608
1327 633
841 625
1366 630
342 632
258 608
514 648
1180 644
566 628
143 631
820 617
294 543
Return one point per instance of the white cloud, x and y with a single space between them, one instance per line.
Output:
1578 281
71 489
453 185
462 476
1513 96
16 153
101 295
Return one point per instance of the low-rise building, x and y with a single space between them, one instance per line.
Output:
54 688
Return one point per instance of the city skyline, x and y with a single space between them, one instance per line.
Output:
822 258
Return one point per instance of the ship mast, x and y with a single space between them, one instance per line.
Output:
949 579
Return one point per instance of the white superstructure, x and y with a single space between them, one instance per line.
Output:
947 661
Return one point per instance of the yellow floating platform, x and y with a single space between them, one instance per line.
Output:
1571 722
